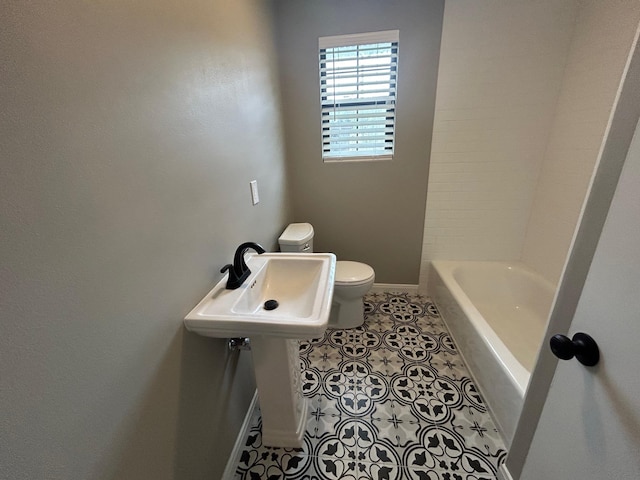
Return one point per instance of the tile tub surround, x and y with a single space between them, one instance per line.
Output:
388 400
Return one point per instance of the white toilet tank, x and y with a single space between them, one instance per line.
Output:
297 237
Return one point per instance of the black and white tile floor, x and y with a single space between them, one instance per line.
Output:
388 400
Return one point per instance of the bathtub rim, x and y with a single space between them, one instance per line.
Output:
519 375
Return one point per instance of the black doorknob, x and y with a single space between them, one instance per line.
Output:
581 346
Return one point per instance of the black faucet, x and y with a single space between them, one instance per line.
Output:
238 272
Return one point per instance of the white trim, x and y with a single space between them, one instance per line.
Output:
503 473
359 39
394 287
234 457
376 158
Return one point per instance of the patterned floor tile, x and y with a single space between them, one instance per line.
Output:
375 471
259 461
479 432
391 399
379 323
323 357
385 362
322 416
449 365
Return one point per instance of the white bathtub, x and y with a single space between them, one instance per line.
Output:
497 313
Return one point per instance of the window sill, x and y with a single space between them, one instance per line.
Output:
377 158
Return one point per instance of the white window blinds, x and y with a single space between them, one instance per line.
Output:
358 78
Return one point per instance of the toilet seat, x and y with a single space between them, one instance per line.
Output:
353 273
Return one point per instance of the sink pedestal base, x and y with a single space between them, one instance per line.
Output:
276 362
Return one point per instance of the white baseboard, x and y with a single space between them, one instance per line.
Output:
393 287
234 457
503 473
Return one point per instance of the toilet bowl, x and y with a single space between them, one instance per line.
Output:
352 279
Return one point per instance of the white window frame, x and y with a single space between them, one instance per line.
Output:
364 112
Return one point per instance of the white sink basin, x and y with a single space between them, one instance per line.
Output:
301 283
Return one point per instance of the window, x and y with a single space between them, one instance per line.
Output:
358 78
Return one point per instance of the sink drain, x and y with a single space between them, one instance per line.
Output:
271 304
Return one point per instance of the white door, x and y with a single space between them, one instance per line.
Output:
590 424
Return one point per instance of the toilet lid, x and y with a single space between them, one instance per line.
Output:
353 273
296 234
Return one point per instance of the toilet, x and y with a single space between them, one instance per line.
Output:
352 281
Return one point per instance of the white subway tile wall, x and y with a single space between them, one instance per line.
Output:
601 42
501 69
524 94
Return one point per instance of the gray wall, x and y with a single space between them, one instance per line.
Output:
129 132
373 211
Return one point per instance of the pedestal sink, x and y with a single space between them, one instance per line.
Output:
302 286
